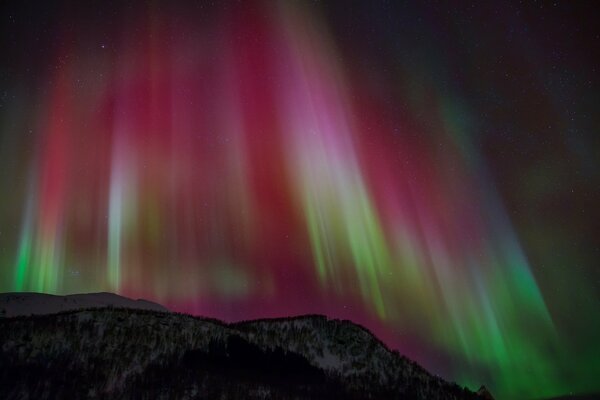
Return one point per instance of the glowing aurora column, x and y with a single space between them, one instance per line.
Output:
343 225
115 210
24 253
53 184
120 201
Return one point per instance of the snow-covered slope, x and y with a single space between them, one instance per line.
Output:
339 347
16 304
128 353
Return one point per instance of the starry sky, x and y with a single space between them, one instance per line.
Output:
429 171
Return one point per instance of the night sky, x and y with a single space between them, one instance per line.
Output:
427 170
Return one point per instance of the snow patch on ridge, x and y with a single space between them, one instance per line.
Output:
23 304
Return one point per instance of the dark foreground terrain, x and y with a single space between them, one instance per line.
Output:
126 353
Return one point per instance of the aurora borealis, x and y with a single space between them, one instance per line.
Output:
428 171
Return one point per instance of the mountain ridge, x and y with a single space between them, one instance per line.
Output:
113 352
27 303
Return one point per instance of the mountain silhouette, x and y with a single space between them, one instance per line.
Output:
116 352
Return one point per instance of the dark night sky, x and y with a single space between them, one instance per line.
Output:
428 170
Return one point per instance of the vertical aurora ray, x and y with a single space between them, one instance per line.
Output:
115 225
505 295
40 252
121 203
342 224
342 221
25 246
246 162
